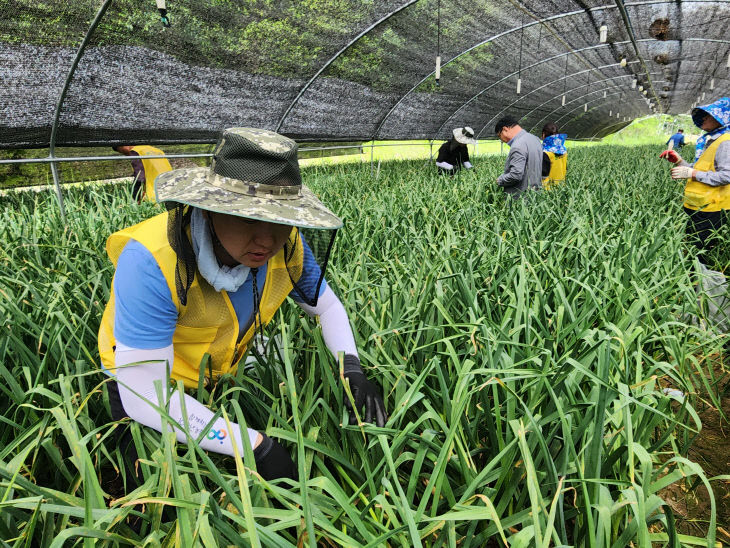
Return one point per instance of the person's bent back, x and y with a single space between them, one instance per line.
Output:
523 168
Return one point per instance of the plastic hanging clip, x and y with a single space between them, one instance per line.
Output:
603 33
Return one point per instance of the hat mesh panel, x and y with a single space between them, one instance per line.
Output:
242 159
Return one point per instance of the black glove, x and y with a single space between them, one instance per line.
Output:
364 392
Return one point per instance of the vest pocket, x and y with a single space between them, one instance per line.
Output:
697 198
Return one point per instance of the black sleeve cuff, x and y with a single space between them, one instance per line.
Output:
351 364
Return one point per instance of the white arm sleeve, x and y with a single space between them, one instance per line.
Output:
336 329
138 394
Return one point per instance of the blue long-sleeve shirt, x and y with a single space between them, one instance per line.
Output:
678 139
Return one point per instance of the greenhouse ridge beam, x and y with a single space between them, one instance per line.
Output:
334 58
632 37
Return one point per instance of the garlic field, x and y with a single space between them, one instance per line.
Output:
522 347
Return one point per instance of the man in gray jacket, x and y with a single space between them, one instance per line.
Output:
523 169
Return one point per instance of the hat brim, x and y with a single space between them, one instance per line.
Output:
191 186
462 139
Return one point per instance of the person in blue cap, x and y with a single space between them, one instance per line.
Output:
677 140
707 190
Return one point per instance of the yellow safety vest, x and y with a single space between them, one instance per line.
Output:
705 197
152 168
558 169
208 322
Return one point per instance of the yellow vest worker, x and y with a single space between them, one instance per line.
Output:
206 323
152 167
698 195
558 169
707 186
194 287
553 145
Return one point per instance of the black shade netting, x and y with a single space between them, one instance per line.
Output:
178 221
307 276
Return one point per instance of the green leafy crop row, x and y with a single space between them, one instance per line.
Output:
522 349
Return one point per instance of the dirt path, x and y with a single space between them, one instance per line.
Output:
711 450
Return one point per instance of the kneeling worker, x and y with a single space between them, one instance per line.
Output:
202 279
146 170
454 154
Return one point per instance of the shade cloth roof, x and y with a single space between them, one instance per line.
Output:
348 70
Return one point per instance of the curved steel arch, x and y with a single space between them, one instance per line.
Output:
642 40
526 68
581 106
490 39
630 30
652 40
582 99
575 117
62 97
550 83
561 106
334 58
532 23
556 109
608 127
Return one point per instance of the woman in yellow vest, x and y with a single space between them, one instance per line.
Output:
553 146
707 191
194 285
145 170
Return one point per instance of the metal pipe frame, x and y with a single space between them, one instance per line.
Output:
526 68
632 37
558 108
490 39
575 117
191 155
612 125
62 97
549 84
334 58
102 10
581 106
641 40
582 99
532 23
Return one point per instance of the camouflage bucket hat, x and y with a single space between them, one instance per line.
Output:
254 174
